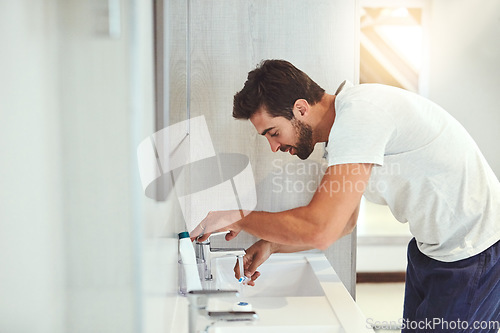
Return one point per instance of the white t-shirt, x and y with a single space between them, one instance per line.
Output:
427 168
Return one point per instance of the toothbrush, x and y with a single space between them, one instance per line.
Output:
242 278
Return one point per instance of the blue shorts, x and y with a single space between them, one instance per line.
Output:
460 296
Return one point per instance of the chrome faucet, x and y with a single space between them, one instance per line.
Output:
198 300
205 252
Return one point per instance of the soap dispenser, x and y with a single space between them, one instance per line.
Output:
188 260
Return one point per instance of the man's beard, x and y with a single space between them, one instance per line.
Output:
304 144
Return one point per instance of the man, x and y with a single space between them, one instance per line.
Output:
395 148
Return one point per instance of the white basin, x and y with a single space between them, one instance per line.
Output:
280 277
295 293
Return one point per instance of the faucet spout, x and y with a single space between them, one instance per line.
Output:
205 252
222 252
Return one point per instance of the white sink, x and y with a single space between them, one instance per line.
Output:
295 293
280 277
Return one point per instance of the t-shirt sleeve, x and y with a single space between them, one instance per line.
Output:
360 134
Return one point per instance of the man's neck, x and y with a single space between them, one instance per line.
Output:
325 111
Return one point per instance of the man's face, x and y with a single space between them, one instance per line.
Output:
293 136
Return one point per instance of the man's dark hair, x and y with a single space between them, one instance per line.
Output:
275 85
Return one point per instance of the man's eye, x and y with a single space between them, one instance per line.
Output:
274 134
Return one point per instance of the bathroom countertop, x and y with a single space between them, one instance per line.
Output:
333 311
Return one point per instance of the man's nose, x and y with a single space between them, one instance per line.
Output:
275 146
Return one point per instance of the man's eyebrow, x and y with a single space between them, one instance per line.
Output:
266 130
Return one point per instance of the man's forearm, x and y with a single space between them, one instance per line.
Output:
282 228
330 215
280 248
295 227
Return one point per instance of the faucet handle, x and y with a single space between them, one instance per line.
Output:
207 241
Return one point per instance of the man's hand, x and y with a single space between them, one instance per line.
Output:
258 253
218 221
254 257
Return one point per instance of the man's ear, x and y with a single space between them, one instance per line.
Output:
300 108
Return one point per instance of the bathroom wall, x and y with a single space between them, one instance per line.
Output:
32 269
464 74
224 41
81 245
100 112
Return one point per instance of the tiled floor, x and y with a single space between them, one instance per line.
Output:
382 305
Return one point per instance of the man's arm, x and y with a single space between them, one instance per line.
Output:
261 250
280 248
331 214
